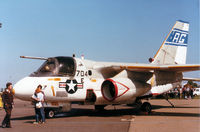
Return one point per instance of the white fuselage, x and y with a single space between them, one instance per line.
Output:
88 78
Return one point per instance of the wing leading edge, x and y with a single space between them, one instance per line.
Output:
174 68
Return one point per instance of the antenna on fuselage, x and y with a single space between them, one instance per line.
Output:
30 57
82 57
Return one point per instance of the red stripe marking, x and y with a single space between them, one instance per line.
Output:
155 93
124 91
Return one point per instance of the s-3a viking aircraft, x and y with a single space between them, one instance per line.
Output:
68 80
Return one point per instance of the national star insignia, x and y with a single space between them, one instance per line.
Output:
71 86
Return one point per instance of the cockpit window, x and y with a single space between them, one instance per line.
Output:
58 66
48 67
66 66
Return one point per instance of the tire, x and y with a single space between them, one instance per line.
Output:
146 107
49 113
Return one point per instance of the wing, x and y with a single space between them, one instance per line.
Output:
110 70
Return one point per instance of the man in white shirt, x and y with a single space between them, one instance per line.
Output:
38 98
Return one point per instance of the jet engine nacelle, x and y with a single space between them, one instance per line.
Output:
123 89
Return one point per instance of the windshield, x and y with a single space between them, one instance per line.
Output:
58 66
49 66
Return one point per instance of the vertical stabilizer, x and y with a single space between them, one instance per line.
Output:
174 48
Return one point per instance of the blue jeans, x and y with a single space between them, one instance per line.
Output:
39 114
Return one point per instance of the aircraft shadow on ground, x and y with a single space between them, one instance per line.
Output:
77 112
160 106
135 111
32 117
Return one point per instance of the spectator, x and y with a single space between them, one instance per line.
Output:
188 92
191 93
38 98
7 98
184 92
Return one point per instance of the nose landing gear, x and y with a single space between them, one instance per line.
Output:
50 113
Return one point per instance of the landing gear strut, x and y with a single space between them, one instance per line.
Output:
166 97
170 103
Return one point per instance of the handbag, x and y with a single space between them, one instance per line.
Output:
38 105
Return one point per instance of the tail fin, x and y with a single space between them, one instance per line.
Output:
174 48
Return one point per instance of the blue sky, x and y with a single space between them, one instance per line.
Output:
102 30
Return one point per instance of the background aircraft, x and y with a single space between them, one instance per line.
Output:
68 80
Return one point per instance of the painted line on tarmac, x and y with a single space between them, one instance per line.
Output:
131 127
126 120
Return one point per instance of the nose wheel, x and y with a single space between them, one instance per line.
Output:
49 113
146 107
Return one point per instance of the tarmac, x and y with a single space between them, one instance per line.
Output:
185 117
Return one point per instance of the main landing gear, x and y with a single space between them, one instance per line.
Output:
146 107
143 107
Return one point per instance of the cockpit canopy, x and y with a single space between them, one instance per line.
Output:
57 66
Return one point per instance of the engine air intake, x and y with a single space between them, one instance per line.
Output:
109 89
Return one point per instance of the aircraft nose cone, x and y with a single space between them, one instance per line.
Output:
23 89
16 89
